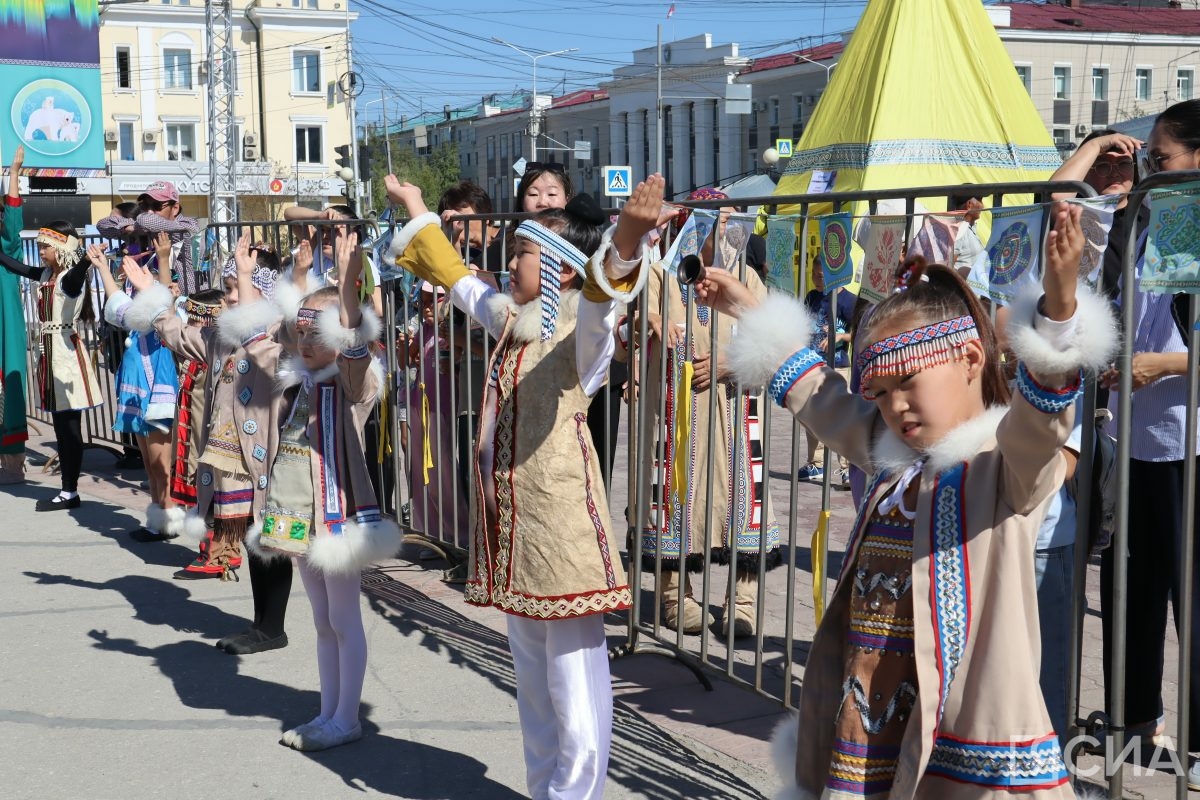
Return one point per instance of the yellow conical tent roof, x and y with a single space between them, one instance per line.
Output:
924 94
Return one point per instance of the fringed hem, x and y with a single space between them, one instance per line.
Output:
746 562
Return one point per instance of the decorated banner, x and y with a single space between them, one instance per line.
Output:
781 254
935 240
1096 219
1173 245
50 94
734 240
1012 252
883 247
837 263
691 238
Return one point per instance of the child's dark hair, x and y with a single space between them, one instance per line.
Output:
1182 123
323 296
208 296
936 293
580 223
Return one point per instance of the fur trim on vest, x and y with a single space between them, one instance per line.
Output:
241 322
527 327
140 313
359 545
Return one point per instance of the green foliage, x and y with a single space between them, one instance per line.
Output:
434 172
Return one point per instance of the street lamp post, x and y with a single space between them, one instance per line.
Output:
534 114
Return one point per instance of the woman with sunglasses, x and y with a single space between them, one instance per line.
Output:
1158 453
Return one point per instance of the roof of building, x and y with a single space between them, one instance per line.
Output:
1104 19
579 97
821 52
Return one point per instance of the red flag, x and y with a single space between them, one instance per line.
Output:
671 11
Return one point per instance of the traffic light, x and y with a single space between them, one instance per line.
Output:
345 156
364 162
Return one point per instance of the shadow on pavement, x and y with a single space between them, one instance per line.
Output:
644 759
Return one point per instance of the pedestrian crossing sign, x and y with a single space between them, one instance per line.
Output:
783 147
618 181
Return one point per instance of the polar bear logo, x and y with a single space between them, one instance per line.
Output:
55 124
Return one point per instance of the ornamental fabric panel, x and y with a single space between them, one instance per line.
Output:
882 249
1173 244
1013 252
781 254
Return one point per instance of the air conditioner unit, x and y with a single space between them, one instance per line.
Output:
1082 130
111 136
249 153
759 105
250 140
149 137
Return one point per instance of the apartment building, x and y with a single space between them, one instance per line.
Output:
289 112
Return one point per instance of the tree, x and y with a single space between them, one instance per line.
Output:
433 172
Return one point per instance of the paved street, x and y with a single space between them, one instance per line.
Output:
113 689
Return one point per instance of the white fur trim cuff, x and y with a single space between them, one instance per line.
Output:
140 312
360 544
331 334
194 527
405 235
1090 346
767 336
241 322
596 267
173 520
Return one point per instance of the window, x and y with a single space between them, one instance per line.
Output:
1025 73
177 69
1062 83
233 70
504 145
1185 80
491 147
124 70
1142 83
304 3
306 72
181 142
1099 83
797 107
125 141
308 144
773 118
1062 138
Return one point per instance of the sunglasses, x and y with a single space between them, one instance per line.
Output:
263 247
545 166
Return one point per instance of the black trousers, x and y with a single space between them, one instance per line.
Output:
605 411
69 432
1155 547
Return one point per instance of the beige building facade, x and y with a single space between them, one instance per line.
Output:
289 113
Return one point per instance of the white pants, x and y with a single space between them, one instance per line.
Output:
564 698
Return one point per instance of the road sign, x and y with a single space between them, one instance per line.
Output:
783 147
618 181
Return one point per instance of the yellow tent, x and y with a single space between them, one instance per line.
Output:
924 94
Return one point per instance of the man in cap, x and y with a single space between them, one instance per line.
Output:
164 214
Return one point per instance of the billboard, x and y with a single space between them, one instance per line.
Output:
50 86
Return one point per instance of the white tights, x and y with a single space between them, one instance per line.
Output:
564 698
341 642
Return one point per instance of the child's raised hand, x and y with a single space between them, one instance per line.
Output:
405 194
639 216
162 247
242 256
18 160
138 276
722 291
304 257
347 257
1060 273
98 257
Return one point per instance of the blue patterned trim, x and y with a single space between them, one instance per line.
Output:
948 152
1044 399
951 579
327 452
800 364
1037 764
357 352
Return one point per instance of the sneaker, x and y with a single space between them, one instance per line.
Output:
810 472
844 479
1193 776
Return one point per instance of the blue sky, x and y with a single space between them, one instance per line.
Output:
425 56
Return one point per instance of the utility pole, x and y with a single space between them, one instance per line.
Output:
387 140
658 112
535 114
352 90
222 149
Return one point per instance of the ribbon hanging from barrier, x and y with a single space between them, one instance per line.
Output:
1173 244
882 247
817 554
680 478
781 254
426 445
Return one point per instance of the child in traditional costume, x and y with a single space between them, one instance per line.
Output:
242 351
542 548
922 679
675 523
320 506
66 379
147 388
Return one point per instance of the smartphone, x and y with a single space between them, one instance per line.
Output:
1146 163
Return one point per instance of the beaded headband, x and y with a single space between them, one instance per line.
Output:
262 278
204 313
554 251
67 246
915 350
306 317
